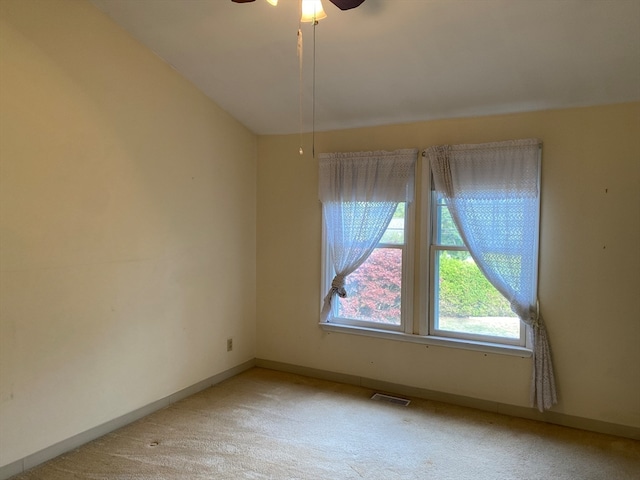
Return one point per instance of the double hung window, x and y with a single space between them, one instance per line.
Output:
463 304
375 289
367 212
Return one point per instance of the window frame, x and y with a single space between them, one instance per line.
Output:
416 318
407 294
434 248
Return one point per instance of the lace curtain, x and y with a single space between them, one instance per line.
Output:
492 191
359 194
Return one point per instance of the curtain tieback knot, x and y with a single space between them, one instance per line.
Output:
337 285
535 321
529 315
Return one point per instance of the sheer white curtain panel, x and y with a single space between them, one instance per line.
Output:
492 191
359 193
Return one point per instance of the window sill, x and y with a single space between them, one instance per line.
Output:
484 347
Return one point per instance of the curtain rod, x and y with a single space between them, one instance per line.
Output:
424 151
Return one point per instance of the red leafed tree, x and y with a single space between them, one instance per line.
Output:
374 289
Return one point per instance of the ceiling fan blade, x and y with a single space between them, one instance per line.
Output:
243 1
346 4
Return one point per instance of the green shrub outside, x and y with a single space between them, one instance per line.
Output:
465 292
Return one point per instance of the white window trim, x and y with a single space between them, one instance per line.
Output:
414 328
407 295
429 340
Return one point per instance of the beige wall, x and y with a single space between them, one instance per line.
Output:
128 227
589 265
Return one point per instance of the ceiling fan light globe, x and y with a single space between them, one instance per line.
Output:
312 11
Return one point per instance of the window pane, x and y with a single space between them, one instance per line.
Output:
374 289
465 301
445 231
394 234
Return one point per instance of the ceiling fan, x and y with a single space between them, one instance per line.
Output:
341 4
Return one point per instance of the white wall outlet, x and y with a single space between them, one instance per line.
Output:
229 344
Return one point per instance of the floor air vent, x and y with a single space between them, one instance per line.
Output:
390 399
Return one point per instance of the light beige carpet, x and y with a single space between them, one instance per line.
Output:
264 424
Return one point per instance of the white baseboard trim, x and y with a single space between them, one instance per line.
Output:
485 405
80 439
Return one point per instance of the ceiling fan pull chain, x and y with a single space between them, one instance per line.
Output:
313 94
300 121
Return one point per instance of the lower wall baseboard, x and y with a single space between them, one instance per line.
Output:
76 441
485 405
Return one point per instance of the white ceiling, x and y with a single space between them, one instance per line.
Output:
394 61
